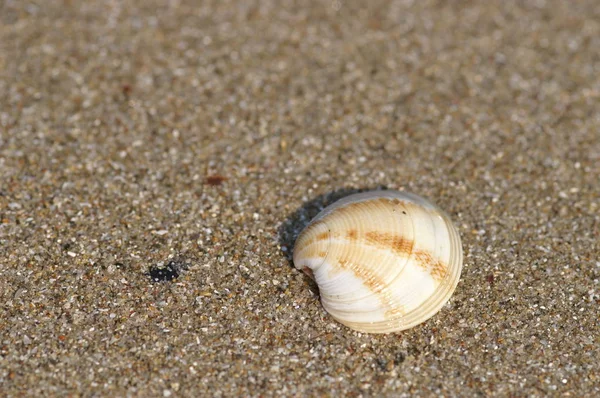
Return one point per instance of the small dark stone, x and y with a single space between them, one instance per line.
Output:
165 273
126 89
400 357
215 180
382 363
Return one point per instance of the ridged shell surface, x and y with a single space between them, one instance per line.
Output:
384 261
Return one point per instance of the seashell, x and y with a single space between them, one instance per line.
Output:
384 261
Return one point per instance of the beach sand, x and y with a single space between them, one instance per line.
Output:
158 158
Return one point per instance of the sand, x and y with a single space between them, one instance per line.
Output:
158 158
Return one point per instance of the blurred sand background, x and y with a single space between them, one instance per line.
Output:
189 141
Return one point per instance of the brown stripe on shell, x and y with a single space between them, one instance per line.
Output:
436 268
350 208
398 244
323 236
306 234
368 204
374 284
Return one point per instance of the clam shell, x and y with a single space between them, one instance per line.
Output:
384 261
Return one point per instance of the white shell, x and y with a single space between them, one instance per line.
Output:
384 260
